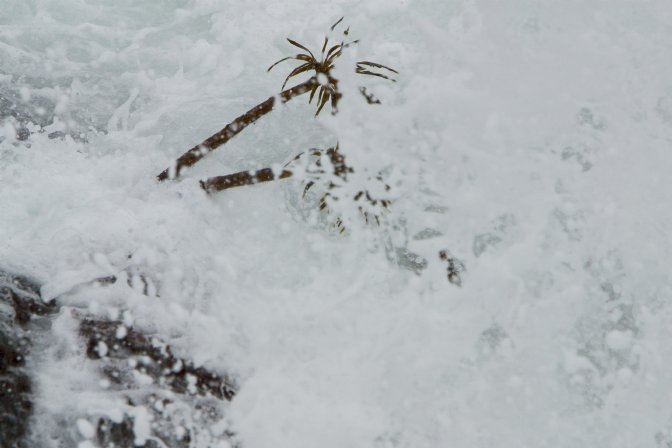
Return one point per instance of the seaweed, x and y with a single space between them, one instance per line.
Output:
322 83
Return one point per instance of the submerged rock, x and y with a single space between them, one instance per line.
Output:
19 304
174 404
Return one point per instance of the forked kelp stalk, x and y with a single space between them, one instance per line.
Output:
321 83
232 129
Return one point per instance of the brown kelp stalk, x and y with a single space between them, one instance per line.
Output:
315 171
199 151
321 83
152 357
219 183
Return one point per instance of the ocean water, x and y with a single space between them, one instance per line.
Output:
531 140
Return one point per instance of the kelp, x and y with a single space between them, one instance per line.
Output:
321 85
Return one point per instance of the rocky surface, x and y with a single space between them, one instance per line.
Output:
170 402
20 304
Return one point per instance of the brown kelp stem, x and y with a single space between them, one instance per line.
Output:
220 183
199 151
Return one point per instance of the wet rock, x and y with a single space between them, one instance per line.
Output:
19 303
174 404
114 342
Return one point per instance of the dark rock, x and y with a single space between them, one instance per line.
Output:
121 352
19 301
151 357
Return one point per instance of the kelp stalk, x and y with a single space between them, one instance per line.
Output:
232 129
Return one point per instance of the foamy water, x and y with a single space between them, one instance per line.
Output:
529 139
